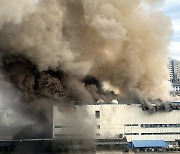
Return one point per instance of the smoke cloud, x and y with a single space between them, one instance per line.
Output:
121 42
14 12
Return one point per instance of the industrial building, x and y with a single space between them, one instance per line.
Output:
131 122
117 126
134 123
19 134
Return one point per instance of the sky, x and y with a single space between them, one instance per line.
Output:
172 9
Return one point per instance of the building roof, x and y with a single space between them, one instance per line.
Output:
8 131
148 143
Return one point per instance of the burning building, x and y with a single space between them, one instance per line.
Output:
119 124
64 53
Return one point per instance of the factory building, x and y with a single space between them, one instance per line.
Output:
21 135
113 121
93 126
134 123
15 127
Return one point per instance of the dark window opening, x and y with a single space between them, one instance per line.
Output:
166 133
98 126
131 125
131 134
97 113
160 125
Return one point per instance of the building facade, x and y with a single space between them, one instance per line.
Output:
174 71
176 87
128 121
174 75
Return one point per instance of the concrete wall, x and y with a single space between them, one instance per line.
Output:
127 119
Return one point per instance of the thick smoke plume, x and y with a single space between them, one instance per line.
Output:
122 42
14 12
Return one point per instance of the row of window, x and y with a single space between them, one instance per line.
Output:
151 125
98 134
166 133
142 126
155 125
176 88
131 134
160 125
131 125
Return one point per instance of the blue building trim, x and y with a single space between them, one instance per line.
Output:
149 144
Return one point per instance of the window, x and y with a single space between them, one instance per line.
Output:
67 135
97 113
131 125
59 126
63 126
120 136
131 134
166 133
98 126
159 125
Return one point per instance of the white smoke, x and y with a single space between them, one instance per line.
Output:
14 12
